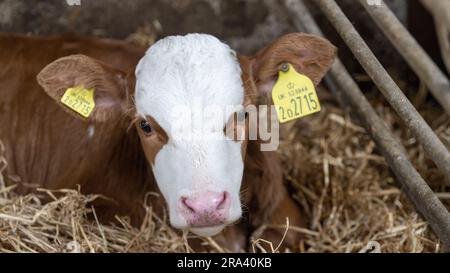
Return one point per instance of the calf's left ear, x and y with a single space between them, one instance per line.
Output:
109 84
310 55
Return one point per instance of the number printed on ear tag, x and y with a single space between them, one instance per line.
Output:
294 95
80 100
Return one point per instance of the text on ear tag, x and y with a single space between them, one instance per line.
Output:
80 100
294 95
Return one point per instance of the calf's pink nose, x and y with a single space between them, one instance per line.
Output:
206 208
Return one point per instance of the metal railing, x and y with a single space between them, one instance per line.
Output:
415 187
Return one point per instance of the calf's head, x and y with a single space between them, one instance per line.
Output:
182 95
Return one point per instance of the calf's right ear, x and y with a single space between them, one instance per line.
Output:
80 71
309 55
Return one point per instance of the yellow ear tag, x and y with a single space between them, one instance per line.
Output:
294 95
80 100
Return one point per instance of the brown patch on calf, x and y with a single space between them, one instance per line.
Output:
154 142
48 147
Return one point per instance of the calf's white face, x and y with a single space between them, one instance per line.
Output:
199 172
186 89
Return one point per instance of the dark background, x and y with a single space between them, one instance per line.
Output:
247 25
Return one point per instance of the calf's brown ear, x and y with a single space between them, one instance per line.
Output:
109 84
310 55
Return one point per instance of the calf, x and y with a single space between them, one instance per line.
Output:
130 143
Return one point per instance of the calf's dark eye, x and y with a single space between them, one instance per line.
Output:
145 127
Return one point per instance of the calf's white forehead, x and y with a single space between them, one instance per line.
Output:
196 70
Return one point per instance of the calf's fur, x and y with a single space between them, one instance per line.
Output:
48 146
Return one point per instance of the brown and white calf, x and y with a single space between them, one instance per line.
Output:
127 147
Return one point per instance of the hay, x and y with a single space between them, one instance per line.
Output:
347 191
64 225
348 194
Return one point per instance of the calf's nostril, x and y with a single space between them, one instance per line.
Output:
223 202
185 202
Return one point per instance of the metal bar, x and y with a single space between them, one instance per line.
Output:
432 145
412 52
413 184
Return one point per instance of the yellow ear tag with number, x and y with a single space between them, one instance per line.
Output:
294 95
80 100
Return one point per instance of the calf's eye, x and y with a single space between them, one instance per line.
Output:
145 127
